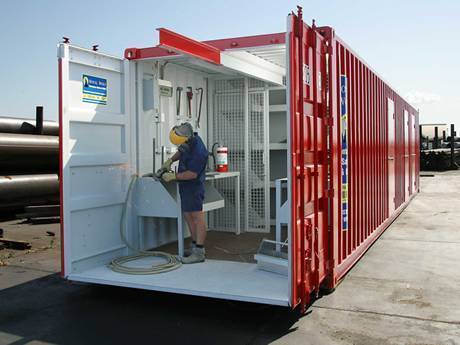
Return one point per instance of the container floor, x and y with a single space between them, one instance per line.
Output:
213 278
227 246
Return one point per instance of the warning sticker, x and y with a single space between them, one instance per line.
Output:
94 90
306 75
344 132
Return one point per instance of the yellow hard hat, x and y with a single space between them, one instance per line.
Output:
180 134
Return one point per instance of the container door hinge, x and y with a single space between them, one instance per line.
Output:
329 121
330 193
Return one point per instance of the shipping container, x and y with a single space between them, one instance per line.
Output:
322 156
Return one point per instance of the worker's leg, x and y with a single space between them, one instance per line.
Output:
200 227
192 203
191 224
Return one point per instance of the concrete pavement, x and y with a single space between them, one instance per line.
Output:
405 290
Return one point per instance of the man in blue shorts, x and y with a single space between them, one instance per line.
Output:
193 157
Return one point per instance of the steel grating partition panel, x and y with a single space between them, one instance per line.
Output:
239 123
257 170
228 129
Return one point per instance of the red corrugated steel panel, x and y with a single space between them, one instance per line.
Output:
372 186
308 159
372 165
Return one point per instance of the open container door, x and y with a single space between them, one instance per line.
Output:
95 157
307 169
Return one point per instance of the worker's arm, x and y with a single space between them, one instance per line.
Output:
176 156
167 165
186 175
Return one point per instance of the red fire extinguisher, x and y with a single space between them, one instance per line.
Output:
220 154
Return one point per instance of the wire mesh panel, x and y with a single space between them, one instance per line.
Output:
229 130
257 151
243 131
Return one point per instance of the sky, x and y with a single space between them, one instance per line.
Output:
413 45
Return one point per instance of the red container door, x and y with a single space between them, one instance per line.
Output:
391 157
308 171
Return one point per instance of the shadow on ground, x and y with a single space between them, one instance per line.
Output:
54 310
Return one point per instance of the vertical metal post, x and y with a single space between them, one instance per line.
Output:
443 135
267 158
278 204
39 119
237 204
436 138
420 136
154 156
246 153
452 147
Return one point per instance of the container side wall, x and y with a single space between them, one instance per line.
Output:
378 156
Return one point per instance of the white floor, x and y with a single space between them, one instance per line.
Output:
213 278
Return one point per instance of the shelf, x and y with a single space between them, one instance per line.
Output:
272 185
277 108
278 146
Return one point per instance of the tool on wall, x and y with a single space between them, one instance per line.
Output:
178 99
189 99
199 92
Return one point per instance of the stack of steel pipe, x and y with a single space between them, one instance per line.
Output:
29 162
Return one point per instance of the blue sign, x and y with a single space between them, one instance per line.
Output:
94 90
344 132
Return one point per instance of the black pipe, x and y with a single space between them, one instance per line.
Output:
452 147
24 144
436 138
420 136
26 126
443 135
39 120
22 188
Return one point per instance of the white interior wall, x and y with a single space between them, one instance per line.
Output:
156 116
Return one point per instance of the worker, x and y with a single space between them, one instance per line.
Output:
192 156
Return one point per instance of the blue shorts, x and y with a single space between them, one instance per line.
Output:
191 198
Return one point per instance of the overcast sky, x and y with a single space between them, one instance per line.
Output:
412 44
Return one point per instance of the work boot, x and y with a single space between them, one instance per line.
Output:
198 255
189 251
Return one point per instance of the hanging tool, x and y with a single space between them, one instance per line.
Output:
189 98
199 92
178 98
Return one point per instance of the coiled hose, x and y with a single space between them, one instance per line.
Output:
118 264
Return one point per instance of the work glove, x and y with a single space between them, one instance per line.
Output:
169 176
167 165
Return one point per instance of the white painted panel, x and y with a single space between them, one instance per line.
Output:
97 138
100 180
114 88
97 157
94 231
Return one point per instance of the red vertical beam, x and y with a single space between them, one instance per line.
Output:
366 154
338 59
314 41
371 152
353 158
373 156
381 174
296 255
360 150
358 145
